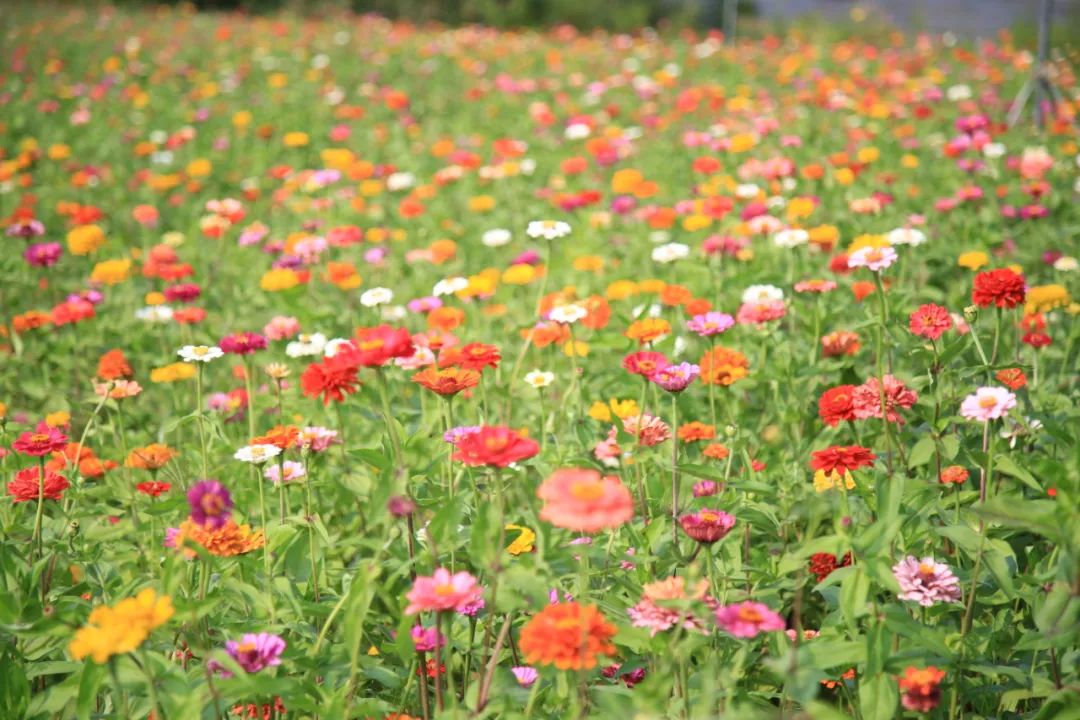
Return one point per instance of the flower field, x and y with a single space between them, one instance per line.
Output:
355 369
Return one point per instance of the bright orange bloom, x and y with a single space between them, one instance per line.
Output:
648 330
567 635
722 366
113 365
474 356
445 318
446 381
544 334
694 431
716 451
152 457
227 541
280 436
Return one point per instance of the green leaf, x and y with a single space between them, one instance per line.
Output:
853 593
89 683
1006 465
922 452
14 685
879 697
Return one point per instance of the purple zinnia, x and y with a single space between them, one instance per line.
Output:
425 639
525 675
710 323
675 378
211 505
242 343
253 652
926 582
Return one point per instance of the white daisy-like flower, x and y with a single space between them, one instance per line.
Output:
568 314
747 191
762 294
393 312
155 313
334 346
496 238
791 238
956 93
200 353
993 150
400 181
670 253
376 296
539 378
305 345
527 166
1066 263
257 454
449 286
906 236
577 131
548 229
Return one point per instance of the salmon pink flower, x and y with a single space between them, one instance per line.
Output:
442 592
581 500
748 619
930 321
28 486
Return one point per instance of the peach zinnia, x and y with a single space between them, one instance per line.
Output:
567 635
582 500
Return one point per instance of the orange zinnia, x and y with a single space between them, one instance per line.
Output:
648 330
227 541
113 366
447 381
567 635
152 457
722 366
280 436
694 431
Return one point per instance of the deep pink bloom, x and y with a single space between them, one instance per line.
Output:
42 441
747 619
242 343
442 592
211 505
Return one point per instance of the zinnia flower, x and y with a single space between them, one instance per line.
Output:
987 403
253 652
842 458
644 363
120 629
925 581
747 619
655 609
495 445
27 485
581 500
866 399
211 505
930 321
568 635
707 526
921 688
710 323
442 592
1001 288
675 378
954 475
837 405
872 258
44 440
446 381
648 430
334 378
242 343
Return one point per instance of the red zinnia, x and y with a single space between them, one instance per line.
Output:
835 405
153 488
474 356
823 564
333 378
379 345
42 441
495 445
27 485
1002 288
1012 378
842 458
930 321
645 362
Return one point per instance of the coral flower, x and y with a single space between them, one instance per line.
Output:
1000 288
1012 378
227 541
443 592
648 430
987 403
568 635
43 441
930 321
376 346
648 330
695 431
644 363
583 501
954 475
925 581
655 610
866 399
842 459
495 445
474 356
921 688
447 381
151 457
27 485
707 526
747 619
840 343
113 366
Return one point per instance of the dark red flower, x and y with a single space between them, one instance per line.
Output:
1001 288
242 343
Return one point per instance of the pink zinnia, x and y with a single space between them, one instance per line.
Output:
656 609
442 592
760 313
930 321
648 430
44 440
872 258
645 362
987 403
866 399
676 378
747 619
281 327
925 581
710 323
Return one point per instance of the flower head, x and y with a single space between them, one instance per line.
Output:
710 323
568 635
987 403
242 343
253 652
926 581
442 592
257 453
200 353
872 258
43 440
707 526
211 505
748 619
930 321
122 628
675 378
658 608
999 288
921 688
494 445
28 485
583 501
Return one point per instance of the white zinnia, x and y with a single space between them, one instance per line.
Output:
306 345
670 252
376 296
568 314
257 454
791 238
495 238
762 294
547 229
200 353
449 286
539 379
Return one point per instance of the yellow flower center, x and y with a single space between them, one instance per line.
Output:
587 490
987 401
